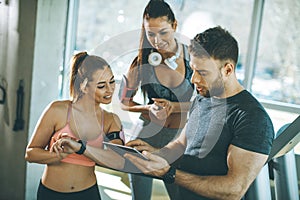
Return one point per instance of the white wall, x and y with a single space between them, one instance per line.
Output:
32 40
48 56
17 21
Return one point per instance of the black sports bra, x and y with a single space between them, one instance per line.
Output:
154 89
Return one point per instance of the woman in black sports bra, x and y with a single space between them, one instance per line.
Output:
161 69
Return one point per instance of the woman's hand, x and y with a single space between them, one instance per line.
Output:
64 146
161 108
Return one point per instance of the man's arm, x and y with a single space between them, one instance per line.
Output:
174 149
243 168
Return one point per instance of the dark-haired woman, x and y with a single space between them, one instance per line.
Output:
161 69
68 137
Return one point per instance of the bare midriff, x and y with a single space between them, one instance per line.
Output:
65 177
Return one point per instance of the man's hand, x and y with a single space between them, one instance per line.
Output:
140 145
155 166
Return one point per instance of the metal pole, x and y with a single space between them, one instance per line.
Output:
260 188
285 174
253 43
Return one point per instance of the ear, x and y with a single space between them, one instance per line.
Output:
83 85
174 26
228 69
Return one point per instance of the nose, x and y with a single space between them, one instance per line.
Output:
110 88
196 77
156 39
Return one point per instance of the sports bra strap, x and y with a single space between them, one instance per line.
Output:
69 112
102 120
186 53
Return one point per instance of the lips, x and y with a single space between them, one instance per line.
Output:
199 89
160 46
107 97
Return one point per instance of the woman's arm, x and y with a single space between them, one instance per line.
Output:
132 106
129 86
36 149
114 132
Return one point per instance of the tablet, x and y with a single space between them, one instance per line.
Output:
121 150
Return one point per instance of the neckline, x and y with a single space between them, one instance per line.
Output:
185 72
70 106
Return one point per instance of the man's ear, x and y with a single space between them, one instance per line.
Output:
83 85
174 26
228 69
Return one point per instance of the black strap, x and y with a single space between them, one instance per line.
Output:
82 148
113 135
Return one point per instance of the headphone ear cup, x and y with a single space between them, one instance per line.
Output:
171 62
154 58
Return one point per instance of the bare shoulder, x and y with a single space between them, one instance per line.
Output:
112 120
110 116
59 105
58 108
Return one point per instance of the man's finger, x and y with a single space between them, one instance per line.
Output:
138 162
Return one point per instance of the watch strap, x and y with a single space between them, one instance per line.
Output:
82 148
169 177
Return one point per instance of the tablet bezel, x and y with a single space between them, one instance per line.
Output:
121 150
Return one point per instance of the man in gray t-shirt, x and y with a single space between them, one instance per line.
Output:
228 137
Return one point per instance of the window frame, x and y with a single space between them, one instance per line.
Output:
250 65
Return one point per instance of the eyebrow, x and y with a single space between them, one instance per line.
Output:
164 29
101 82
200 70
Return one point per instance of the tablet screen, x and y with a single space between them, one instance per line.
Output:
121 150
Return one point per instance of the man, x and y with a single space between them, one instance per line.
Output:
228 137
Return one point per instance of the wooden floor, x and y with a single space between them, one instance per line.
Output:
115 185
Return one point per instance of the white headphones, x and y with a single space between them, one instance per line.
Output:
155 58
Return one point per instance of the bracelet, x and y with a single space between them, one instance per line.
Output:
82 148
169 177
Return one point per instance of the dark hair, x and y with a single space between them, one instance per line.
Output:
215 42
83 67
158 8
154 9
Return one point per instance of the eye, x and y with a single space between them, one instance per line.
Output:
112 81
163 33
100 86
151 34
202 73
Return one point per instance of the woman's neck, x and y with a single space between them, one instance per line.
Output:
86 105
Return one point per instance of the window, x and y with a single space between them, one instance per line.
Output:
111 29
277 74
109 21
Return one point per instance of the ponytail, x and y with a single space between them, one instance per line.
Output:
76 76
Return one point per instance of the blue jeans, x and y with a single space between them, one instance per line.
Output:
157 136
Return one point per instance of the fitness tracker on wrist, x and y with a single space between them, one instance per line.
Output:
169 177
82 148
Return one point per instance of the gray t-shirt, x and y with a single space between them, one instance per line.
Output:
213 125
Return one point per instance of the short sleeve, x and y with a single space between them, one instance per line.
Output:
253 131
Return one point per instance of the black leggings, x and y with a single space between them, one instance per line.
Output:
45 193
